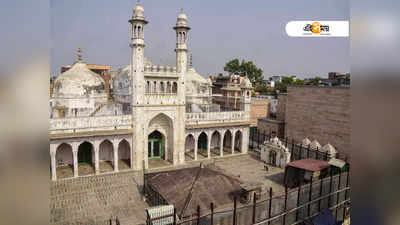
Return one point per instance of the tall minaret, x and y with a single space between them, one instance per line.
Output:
138 22
181 28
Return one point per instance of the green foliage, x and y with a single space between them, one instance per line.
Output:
286 81
245 68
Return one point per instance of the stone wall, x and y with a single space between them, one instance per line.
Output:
259 108
266 125
321 113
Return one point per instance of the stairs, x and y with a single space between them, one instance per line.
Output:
96 199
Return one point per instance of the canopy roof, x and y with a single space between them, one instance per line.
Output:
312 165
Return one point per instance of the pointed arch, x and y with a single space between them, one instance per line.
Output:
215 143
86 159
238 141
64 161
124 155
106 156
190 143
227 142
202 143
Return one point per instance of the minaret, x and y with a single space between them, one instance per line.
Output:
138 22
181 28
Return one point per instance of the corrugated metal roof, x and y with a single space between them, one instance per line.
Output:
309 164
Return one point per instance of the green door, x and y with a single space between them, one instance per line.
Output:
155 148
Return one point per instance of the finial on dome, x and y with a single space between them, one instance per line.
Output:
181 10
79 54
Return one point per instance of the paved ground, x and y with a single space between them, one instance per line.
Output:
249 168
95 199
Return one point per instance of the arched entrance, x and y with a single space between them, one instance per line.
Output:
106 156
189 147
124 155
227 144
238 141
85 159
160 141
156 145
64 161
215 144
202 146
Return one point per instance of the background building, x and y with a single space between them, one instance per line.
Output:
314 112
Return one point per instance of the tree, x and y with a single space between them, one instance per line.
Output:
245 68
286 81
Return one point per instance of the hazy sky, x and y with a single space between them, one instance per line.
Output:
221 30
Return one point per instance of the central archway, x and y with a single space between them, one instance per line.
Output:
160 141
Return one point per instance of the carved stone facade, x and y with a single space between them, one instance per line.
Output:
147 118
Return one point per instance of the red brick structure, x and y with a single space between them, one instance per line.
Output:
259 108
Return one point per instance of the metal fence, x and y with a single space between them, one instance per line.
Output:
295 206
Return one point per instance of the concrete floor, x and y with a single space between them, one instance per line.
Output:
249 168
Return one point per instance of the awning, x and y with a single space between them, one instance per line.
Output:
312 165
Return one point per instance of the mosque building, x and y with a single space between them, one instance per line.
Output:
156 115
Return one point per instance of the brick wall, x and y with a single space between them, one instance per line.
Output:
281 107
259 109
321 113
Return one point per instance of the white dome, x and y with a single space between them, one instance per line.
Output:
329 149
182 16
195 83
138 11
78 82
315 145
181 20
305 142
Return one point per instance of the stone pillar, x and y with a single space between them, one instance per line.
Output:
115 145
53 166
195 147
209 137
75 155
233 142
96 159
221 145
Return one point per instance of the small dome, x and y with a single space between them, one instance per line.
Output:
305 142
246 83
77 82
315 145
181 20
329 149
138 11
182 16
